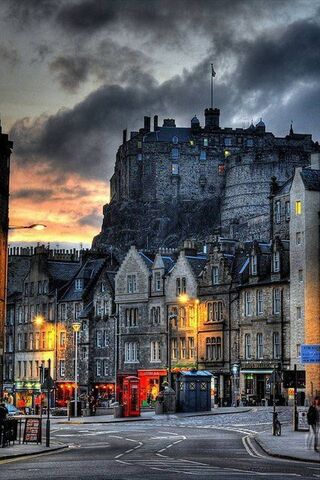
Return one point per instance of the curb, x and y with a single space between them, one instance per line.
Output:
285 457
28 454
105 421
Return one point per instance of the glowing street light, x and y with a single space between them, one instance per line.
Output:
38 320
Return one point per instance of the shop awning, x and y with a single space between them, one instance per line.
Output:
256 370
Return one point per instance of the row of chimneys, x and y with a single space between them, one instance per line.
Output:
212 117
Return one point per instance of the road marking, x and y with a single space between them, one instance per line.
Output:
115 436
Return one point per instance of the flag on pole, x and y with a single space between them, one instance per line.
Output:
212 70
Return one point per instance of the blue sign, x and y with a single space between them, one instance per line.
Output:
310 353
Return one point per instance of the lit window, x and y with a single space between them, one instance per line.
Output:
183 317
298 208
192 143
227 153
175 169
205 142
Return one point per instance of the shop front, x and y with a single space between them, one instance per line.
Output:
256 386
150 384
27 396
103 393
64 393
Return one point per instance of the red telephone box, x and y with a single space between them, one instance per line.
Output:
131 397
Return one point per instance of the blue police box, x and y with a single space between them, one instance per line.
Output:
194 391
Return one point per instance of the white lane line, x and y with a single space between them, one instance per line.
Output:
130 440
121 461
115 436
171 433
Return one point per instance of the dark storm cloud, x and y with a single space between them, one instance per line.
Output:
92 220
108 62
9 55
276 61
36 194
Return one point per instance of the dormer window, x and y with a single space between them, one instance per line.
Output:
78 284
254 265
157 281
276 262
215 275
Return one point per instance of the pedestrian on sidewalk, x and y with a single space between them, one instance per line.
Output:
313 421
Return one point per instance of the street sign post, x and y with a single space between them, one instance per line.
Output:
310 353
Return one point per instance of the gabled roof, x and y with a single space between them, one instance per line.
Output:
18 269
197 263
62 271
86 273
311 179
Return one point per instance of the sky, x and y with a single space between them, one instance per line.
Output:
75 73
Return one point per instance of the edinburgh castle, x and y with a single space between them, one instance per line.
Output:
174 183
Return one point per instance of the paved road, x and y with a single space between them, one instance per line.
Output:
220 447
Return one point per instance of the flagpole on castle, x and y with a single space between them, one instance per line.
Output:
213 74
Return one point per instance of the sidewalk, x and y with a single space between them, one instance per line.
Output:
149 416
24 450
291 445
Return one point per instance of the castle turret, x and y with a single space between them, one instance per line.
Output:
212 116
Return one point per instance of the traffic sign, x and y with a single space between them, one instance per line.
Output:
48 384
310 353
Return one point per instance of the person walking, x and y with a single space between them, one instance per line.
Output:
313 422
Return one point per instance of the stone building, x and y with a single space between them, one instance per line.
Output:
5 152
304 269
174 183
218 325
36 326
264 318
142 319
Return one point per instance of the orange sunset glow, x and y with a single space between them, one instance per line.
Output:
69 205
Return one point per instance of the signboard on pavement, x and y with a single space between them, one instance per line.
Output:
32 430
302 418
310 353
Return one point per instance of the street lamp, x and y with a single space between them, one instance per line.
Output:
76 328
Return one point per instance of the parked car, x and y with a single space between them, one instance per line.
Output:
12 410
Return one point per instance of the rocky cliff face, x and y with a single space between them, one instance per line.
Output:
151 226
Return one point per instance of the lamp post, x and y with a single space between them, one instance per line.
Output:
76 328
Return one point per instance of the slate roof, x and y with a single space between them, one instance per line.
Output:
18 269
311 179
285 187
62 271
87 273
165 134
168 262
148 258
197 263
